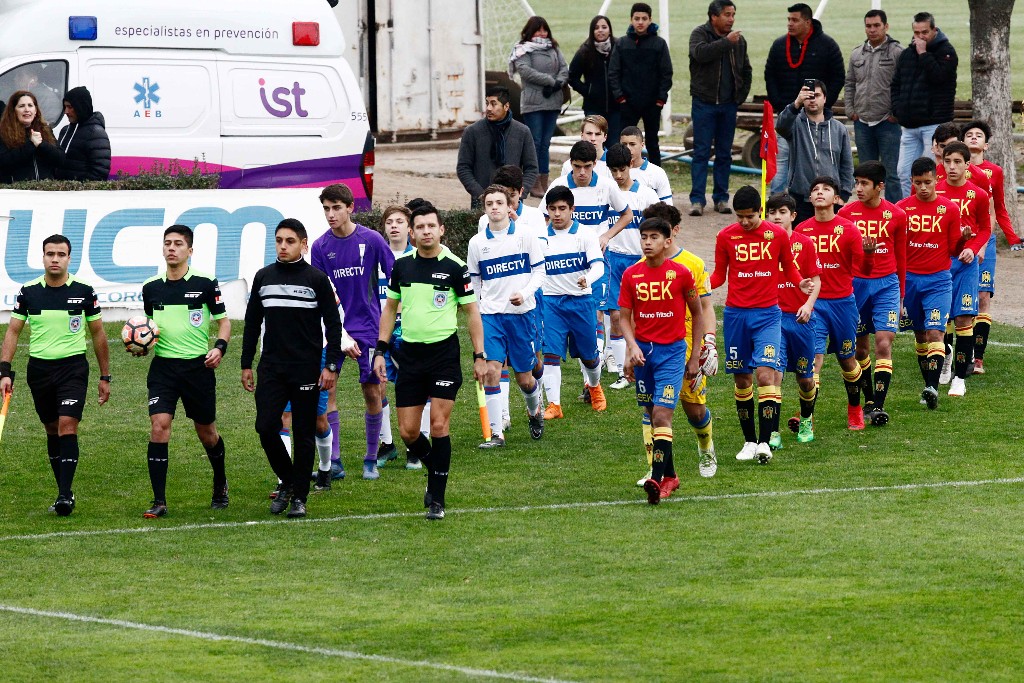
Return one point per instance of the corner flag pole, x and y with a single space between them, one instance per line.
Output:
3 413
764 186
481 402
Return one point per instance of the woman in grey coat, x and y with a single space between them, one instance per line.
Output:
543 70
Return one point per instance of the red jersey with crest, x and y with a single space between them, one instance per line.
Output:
839 249
657 297
996 179
806 258
933 233
751 259
975 174
974 211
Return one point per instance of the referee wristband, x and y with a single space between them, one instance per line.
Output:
106 378
479 356
381 348
222 345
6 371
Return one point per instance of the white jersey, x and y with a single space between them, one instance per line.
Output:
530 217
594 201
654 177
568 254
600 166
639 197
503 263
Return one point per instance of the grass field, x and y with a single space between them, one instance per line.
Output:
890 554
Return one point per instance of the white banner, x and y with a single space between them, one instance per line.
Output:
116 237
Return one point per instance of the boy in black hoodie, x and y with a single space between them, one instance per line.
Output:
84 140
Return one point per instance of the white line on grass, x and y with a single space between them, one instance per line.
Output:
279 645
518 508
1010 344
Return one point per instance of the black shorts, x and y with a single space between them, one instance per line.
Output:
188 379
58 386
427 371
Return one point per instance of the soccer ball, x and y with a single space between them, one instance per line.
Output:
139 335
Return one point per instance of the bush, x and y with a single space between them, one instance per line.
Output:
159 177
459 226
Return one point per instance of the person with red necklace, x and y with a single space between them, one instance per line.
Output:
805 52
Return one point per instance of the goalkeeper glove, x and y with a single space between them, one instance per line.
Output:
708 355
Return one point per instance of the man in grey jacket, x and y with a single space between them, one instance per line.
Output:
818 146
868 99
494 141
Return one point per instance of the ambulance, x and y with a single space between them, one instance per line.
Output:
255 90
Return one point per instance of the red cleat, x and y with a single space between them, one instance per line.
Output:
668 485
855 417
653 490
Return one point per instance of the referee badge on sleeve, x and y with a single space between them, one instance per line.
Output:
195 318
75 323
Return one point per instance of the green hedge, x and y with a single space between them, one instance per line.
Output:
459 226
159 177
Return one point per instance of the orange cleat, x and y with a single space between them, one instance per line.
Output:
553 412
597 399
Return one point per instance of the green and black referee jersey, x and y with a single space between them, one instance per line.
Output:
182 310
58 373
430 291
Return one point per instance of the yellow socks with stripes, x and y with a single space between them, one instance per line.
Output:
769 403
745 411
648 439
702 428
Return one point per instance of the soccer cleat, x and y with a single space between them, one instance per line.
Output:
957 387
775 441
613 367
930 397
763 453
805 433
53 505
297 509
553 412
413 464
494 442
159 509
386 453
219 501
370 472
979 366
536 425
653 491
585 396
435 511
707 463
621 383
337 469
668 485
947 367
323 480
748 452
878 417
794 423
284 496
63 505
597 399
641 480
855 417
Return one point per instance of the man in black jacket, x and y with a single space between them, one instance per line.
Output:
719 82
640 75
84 140
923 91
806 52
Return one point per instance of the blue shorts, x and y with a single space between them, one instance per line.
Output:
616 265
599 293
835 326
796 352
878 302
569 321
365 362
752 338
987 269
659 380
927 300
538 318
964 299
321 402
512 336
389 362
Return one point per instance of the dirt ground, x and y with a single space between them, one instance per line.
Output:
427 170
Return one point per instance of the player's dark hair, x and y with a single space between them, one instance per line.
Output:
618 156
584 151
980 125
746 198
921 166
57 239
425 209
338 192
416 202
880 13
293 224
498 91
183 230
803 8
631 131
779 200
641 7
826 180
945 132
957 148
872 170
659 224
820 85
925 16
510 176
560 193
534 24
718 6
496 189
664 211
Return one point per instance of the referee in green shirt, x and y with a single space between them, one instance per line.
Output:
182 302
431 284
57 308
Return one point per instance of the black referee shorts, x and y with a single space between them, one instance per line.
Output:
427 371
187 379
58 386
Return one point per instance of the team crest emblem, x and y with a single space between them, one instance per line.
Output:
75 323
801 364
987 172
971 194
195 318
440 299
847 346
331 255
887 215
966 300
769 235
797 247
668 393
893 318
769 351
933 315
838 230
670 275
986 277
941 210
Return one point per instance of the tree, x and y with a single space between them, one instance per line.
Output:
990 87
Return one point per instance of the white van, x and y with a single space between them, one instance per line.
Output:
256 90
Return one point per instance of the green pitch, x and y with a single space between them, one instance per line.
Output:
852 558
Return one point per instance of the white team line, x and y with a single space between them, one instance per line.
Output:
279 645
517 508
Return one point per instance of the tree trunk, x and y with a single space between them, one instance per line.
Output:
990 88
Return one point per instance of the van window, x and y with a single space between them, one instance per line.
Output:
47 80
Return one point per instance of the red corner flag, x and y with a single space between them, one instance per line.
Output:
769 145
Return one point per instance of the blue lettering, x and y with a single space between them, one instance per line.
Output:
101 246
229 225
19 233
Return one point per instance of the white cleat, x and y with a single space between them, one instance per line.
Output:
506 421
641 480
764 453
708 463
947 369
957 387
613 367
621 383
748 452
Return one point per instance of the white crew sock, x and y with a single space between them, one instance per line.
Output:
593 375
323 449
552 380
504 384
618 349
425 420
532 398
385 426
494 412
287 438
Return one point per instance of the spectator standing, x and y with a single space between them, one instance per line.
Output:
588 74
868 99
720 76
29 150
493 141
542 68
84 140
923 91
806 52
640 74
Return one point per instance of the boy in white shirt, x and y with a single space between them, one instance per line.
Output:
651 175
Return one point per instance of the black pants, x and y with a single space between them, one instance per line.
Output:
275 387
651 117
